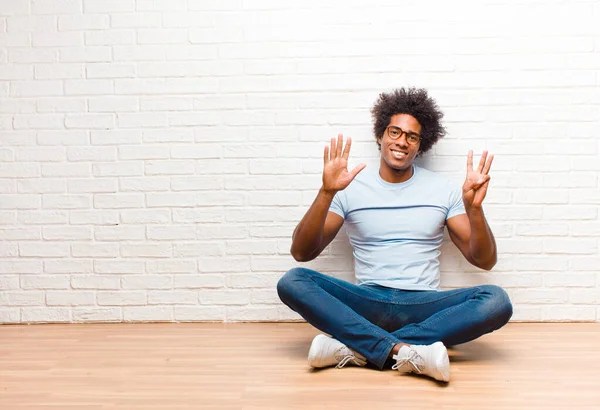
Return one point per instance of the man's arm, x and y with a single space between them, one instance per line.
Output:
473 237
316 230
318 227
471 232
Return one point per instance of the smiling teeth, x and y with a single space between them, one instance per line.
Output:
398 154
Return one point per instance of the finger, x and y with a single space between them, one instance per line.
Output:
326 155
357 169
476 185
488 165
481 192
346 153
482 161
340 145
470 161
332 150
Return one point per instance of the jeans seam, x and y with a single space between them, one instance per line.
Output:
448 312
436 300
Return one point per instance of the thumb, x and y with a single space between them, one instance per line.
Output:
357 169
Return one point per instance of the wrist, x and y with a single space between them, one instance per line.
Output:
327 193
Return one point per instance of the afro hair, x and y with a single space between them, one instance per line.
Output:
412 101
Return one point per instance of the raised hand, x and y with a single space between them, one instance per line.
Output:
336 176
477 181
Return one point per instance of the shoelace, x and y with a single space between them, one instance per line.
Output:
349 357
410 360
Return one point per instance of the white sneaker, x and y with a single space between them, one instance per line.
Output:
431 360
326 351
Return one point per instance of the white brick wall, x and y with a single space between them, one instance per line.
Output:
155 156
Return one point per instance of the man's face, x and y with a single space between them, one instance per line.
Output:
399 153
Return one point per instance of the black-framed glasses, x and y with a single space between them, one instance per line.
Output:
394 132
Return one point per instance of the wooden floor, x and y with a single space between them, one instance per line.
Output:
263 366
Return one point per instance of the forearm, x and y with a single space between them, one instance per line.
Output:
308 235
482 245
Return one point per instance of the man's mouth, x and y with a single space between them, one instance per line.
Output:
399 154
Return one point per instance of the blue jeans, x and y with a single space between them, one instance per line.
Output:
371 319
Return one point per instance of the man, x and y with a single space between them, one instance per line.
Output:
395 216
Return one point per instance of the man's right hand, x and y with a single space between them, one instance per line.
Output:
336 176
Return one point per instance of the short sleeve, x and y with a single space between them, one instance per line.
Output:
456 203
337 205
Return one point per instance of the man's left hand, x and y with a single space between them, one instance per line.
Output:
477 181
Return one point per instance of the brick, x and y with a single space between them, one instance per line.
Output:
83 22
56 7
94 282
43 217
109 37
62 201
134 152
199 281
119 266
173 232
67 233
173 199
119 233
195 249
45 315
112 104
10 315
37 88
173 297
20 266
223 297
171 167
121 298
41 185
146 184
146 250
200 151
95 250
40 282
220 265
148 314
87 54
22 298
146 216
197 215
96 185
22 170
89 121
43 250
67 266
94 314
65 170
172 266
147 282
110 70
58 39
168 135
119 169
119 200
70 298
39 122
65 137
95 217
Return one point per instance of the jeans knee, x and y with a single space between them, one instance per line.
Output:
287 283
499 305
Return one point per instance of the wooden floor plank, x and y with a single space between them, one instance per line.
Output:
263 366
